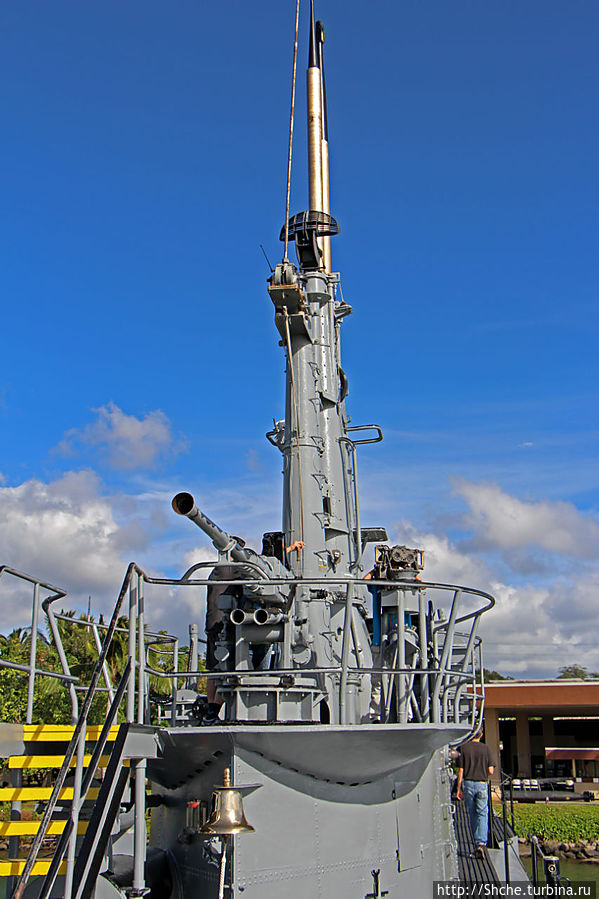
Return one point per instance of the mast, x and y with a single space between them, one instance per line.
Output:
315 132
318 144
319 506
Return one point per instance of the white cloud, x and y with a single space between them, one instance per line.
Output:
73 535
534 631
443 561
70 534
126 441
534 628
66 533
503 522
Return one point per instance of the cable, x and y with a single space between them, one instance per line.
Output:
291 117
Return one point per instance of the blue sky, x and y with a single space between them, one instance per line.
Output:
143 160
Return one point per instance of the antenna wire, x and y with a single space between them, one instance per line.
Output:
291 118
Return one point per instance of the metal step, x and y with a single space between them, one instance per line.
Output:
62 733
28 828
39 794
17 762
11 866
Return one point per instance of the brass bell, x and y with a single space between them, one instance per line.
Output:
227 815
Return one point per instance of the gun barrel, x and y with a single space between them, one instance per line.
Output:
184 504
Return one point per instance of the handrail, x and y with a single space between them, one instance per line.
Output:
447 663
69 835
377 428
27 669
446 673
75 739
505 781
86 622
354 474
32 670
444 668
303 672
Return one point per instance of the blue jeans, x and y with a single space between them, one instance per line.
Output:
475 797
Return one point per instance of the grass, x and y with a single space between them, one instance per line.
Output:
568 824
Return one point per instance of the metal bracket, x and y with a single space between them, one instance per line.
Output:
377 893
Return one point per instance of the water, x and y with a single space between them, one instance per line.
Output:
575 871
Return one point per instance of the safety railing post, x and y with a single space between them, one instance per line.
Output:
512 804
192 664
423 635
54 630
534 861
140 835
32 652
105 671
345 646
506 845
551 869
175 689
133 611
141 642
75 811
402 681
449 627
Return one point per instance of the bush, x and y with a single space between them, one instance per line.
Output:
568 825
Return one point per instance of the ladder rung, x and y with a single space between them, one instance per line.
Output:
28 828
49 761
11 866
39 794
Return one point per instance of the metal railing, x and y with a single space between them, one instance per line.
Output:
507 800
31 670
438 682
77 746
441 681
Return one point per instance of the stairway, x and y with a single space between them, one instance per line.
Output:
41 746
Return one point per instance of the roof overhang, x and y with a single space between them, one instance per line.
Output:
554 695
582 755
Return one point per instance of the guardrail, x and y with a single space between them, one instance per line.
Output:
437 679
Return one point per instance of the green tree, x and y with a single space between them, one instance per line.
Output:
578 672
15 647
495 675
52 702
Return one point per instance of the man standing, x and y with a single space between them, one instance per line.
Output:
475 766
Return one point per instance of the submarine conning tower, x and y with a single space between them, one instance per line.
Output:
305 637
320 493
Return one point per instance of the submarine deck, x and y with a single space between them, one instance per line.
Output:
471 870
